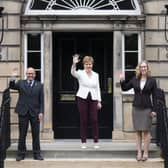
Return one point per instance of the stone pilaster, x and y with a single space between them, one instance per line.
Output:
47 132
117 103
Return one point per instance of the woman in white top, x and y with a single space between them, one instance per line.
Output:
88 97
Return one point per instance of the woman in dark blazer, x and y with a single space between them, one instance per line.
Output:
143 106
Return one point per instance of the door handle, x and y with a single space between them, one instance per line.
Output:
109 85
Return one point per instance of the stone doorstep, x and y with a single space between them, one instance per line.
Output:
67 154
84 163
75 145
61 149
88 160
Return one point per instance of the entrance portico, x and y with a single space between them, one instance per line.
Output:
39 20
118 120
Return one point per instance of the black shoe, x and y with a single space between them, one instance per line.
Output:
20 157
38 157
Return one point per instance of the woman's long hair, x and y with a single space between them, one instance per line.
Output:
138 71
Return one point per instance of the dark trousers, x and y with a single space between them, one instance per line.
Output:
88 107
35 129
2 163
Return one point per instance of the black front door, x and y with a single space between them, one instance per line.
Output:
65 113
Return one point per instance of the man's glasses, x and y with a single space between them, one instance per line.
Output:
30 73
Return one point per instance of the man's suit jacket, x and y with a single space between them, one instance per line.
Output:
142 98
30 99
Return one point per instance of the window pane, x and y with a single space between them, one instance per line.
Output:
38 75
131 54
129 75
127 4
131 42
34 53
34 60
131 60
75 4
34 42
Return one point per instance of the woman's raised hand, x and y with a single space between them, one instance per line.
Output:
121 76
76 59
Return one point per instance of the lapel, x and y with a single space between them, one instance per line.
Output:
34 84
146 84
26 85
137 84
28 88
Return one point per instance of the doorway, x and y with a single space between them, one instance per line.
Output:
65 114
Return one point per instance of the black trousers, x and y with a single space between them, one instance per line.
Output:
23 128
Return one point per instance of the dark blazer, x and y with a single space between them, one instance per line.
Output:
30 99
142 98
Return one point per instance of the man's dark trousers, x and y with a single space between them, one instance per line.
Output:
23 128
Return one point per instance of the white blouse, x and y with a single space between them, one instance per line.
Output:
142 84
87 83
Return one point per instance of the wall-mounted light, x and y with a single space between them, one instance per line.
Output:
1 10
166 15
166 6
1 29
2 20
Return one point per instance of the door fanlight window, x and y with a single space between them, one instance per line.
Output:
83 7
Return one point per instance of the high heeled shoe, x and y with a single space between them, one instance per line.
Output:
138 158
144 158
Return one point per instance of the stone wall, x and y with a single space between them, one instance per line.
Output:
155 51
11 53
156 47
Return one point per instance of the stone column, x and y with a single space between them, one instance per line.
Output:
47 132
117 103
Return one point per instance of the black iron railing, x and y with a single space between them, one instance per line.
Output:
5 139
162 125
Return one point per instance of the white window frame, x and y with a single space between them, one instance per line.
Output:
131 91
41 51
83 12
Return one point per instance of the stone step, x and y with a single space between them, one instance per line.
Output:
72 149
68 153
84 163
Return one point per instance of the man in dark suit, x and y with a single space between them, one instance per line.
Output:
29 108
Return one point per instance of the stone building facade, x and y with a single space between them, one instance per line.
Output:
147 27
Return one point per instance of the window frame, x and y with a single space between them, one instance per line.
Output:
81 12
41 53
139 52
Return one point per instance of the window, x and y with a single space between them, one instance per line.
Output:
83 7
131 54
34 53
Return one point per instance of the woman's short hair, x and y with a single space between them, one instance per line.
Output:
88 59
138 72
